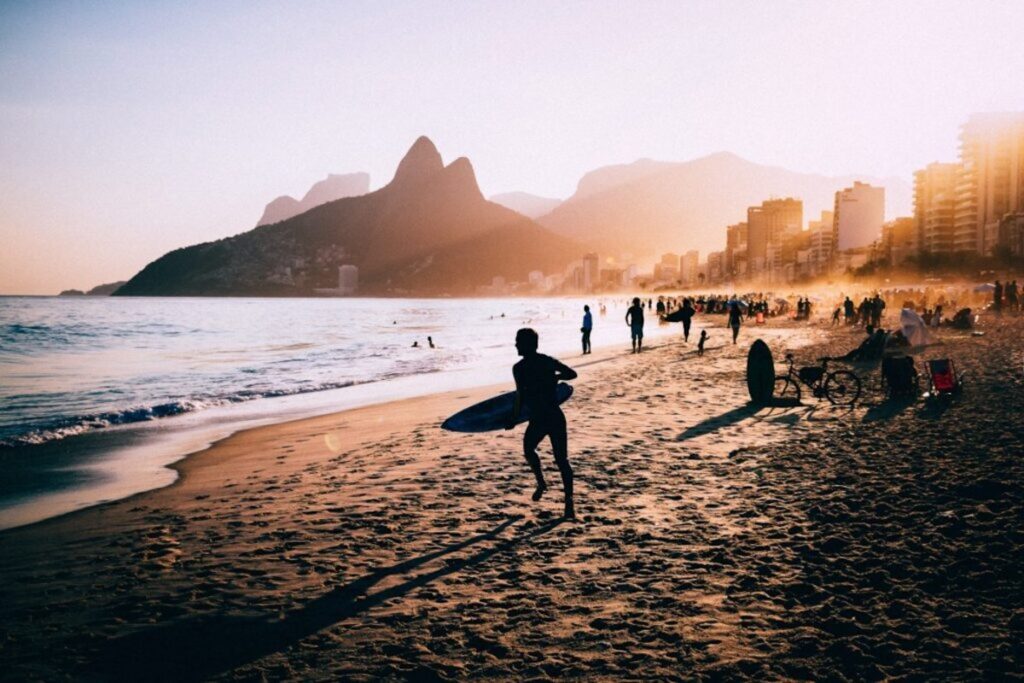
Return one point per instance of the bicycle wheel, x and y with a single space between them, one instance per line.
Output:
842 387
786 388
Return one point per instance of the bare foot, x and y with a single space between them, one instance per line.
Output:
541 488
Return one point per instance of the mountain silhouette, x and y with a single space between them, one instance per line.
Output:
530 205
333 187
649 207
429 231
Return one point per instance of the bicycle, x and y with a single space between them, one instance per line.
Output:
840 387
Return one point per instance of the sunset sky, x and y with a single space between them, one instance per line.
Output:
129 129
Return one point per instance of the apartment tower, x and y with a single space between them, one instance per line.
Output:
990 182
934 204
859 214
768 226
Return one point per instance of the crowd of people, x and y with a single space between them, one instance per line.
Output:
936 304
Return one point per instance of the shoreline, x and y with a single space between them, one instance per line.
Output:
160 455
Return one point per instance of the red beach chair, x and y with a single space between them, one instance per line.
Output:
943 378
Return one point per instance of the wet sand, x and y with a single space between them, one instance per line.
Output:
714 540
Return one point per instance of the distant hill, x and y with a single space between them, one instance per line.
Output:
649 207
530 205
429 231
105 290
327 190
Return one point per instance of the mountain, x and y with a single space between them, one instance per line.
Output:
649 207
530 205
429 231
107 289
327 190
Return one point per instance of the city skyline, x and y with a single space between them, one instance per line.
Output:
132 131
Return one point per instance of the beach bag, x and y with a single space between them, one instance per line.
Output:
810 375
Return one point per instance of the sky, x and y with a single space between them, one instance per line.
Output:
128 129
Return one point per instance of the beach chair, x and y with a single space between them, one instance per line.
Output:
943 379
899 377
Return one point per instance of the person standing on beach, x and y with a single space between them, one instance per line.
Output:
735 319
588 325
537 378
700 342
877 308
997 298
635 320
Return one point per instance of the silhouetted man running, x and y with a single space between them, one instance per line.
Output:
537 378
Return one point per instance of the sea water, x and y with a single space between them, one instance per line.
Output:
99 394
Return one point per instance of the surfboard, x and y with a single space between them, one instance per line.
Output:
760 373
673 317
494 413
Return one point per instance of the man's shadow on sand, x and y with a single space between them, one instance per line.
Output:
199 648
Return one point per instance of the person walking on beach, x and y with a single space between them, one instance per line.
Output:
700 342
537 378
863 315
635 320
735 319
997 298
686 313
588 325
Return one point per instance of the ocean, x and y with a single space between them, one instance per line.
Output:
98 394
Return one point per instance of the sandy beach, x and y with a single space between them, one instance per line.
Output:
715 540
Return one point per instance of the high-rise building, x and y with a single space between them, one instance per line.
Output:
689 264
990 182
716 261
1011 234
859 214
666 273
670 259
591 276
629 275
736 249
771 223
819 244
899 240
934 201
